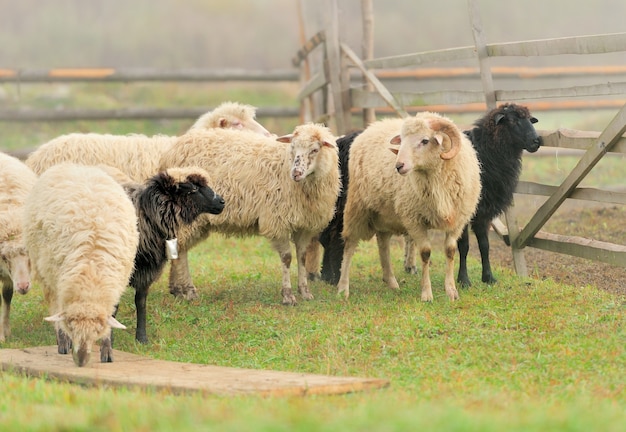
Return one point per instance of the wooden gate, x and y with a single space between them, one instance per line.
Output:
343 85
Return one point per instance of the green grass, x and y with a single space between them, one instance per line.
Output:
521 355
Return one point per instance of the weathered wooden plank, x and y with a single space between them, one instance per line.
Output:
364 99
130 370
618 88
607 139
380 88
575 139
594 44
481 51
595 250
422 58
144 74
312 85
315 41
333 57
587 194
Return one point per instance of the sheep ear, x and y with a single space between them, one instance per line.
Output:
56 317
285 138
439 138
533 120
115 323
396 140
498 118
328 144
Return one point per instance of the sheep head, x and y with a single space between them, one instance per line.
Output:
307 142
231 115
15 263
84 326
421 138
514 124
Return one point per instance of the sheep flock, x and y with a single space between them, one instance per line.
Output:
88 215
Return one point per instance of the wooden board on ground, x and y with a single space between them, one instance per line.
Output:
134 371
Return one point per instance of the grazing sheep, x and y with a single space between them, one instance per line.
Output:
499 137
80 229
167 201
16 181
277 190
433 183
137 156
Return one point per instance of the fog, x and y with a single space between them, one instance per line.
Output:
264 34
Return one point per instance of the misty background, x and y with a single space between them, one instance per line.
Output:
264 34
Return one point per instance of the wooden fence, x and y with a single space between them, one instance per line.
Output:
331 94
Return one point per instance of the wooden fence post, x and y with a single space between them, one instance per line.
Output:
519 260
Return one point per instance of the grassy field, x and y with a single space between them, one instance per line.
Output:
521 355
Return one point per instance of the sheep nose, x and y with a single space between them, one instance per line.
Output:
23 287
399 166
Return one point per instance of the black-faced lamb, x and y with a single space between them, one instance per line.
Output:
16 182
80 230
166 202
283 189
499 137
432 183
135 155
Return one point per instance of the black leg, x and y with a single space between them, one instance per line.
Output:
463 246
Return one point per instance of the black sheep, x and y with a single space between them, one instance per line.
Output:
499 137
167 201
330 238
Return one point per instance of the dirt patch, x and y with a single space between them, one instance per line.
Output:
576 218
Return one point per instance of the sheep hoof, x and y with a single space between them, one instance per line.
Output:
106 354
465 283
426 297
188 292
315 276
64 343
490 280
411 270
289 301
307 296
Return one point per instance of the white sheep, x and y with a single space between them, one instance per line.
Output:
80 229
283 188
16 181
433 183
135 155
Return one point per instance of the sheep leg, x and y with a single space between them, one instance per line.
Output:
482 235
64 343
344 280
420 238
312 259
106 348
283 248
303 242
181 284
7 296
463 246
141 296
450 250
384 254
333 245
410 258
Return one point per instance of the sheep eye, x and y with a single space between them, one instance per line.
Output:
425 141
193 189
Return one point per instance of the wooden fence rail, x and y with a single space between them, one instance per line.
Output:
347 97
